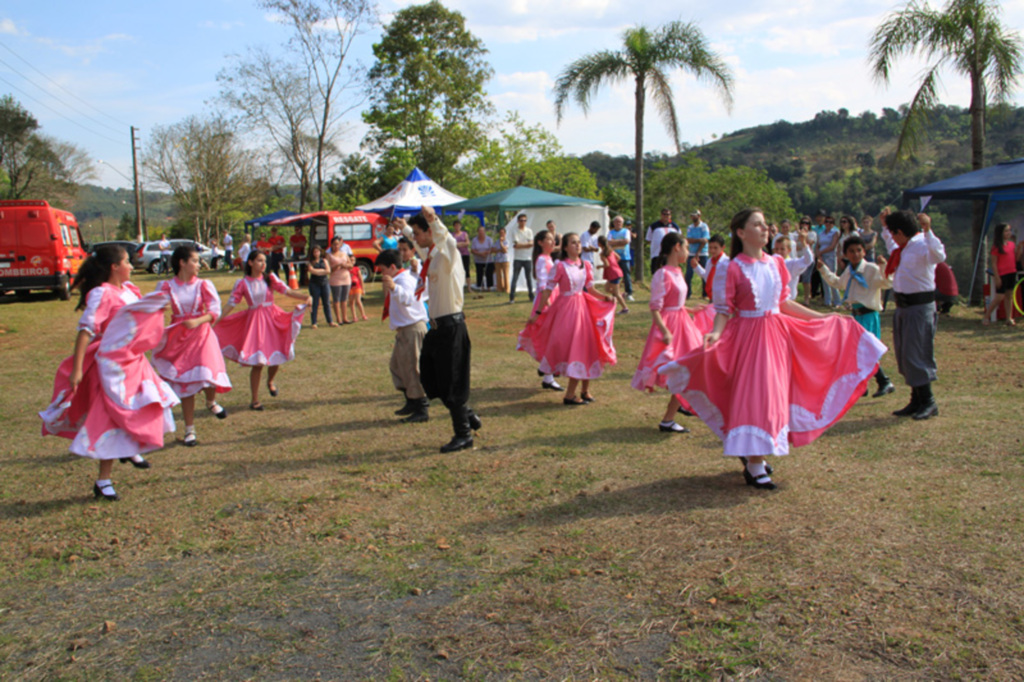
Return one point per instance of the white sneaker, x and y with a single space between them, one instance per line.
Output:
630 297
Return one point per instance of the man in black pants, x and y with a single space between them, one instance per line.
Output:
444 359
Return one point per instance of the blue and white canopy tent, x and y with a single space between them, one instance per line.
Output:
266 219
1003 182
410 195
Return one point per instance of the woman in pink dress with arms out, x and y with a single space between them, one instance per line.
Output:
106 397
762 381
574 334
263 334
673 333
189 357
543 270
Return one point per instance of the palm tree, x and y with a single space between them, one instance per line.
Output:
646 57
967 37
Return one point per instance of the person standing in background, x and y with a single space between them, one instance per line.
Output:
522 257
697 236
620 239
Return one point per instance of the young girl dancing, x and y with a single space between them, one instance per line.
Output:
574 335
612 273
189 357
263 334
106 397
543 269
673 333
761 382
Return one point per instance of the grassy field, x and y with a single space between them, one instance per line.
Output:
322 539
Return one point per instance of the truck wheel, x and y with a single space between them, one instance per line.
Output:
365 270
64 290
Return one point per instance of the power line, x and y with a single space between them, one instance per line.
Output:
66 118
27 63
83 115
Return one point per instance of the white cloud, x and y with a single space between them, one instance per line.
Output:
8 27
88 51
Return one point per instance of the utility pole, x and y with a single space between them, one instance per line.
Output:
142 236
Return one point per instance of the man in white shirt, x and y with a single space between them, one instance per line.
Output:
916 251
588 244
229 248
522 258
165 254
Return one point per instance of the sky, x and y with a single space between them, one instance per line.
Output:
91 70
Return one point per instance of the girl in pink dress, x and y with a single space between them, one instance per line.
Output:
574 336
762 381
106 397
543 269
612 273
189 357
263 334
355 299
673 333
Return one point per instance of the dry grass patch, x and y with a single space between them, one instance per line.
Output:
320 537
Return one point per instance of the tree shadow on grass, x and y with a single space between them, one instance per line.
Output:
665 496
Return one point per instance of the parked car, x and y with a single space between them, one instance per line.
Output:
132 248
40 247
150 253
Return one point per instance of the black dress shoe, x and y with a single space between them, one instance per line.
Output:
474 421
572 401
457 443
886 389
97 492
927 411
761 483
683 411
767 467
553 386
910 410
142 464
673 428
586 397
416 417
272 389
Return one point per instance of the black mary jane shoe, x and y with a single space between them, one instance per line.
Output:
457 443
98 493
272 390
586 397
143 464
553 386
767 467
573 401
761 482
685 412
256 407
674 428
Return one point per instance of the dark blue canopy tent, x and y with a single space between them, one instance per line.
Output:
266 219
993 185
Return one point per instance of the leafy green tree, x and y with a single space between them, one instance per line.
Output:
966 36
521 154
719 194
646 57
427 89
353 186
36 166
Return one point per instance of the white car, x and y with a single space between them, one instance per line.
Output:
150 253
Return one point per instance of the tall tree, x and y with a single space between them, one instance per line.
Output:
968 37
647 56
36 166
324 31
273 97
212 177
427 98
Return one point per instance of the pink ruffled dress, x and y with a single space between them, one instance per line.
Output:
191 359
668 295
543 270
121 407
262 334
773 379
573 337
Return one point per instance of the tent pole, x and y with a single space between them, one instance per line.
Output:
990 209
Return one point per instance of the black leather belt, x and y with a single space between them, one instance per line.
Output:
862 310
920 298
448 320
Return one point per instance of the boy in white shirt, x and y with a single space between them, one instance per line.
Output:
798 265
408 319
861 285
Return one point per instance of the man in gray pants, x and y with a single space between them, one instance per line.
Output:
917 251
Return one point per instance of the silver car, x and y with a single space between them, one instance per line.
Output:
150 253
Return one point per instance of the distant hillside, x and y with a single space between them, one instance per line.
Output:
99 210
842 163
